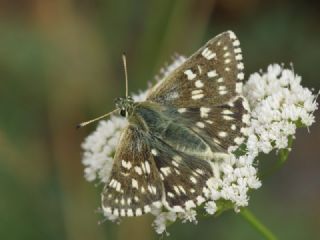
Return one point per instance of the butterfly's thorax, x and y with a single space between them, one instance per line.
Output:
169 128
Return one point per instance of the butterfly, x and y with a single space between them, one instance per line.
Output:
188 119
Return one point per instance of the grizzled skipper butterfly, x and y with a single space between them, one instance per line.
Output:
189 118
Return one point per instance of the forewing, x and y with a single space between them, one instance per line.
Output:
206 91
185 178
134 184
223 125
212 76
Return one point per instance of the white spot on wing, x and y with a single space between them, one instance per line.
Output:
222 134
200 124
147 165
208 54
138 170
195 92
232 35
237 50
182 110
176 189
126 164
199 69
198 96
116 212
236 43
170 194
212 74
190 74
118 187
204 112
228 118
216 141
165 170
240 76
239 57
182 189
174 163
222 88
154 152
129 212
138 212
199 171
122 213
199 84
240 66
193 179
134 183
147 209
223 92
227 112
107 210
239 87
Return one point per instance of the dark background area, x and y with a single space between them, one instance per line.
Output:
60 63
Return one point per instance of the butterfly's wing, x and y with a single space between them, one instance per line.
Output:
207 89
147 172
134 184
222 125
185 178
208 76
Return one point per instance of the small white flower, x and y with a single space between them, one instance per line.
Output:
189 216
211 207
162 219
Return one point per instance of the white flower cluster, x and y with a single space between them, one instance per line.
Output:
278 104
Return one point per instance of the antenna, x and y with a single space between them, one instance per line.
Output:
124 60
80 125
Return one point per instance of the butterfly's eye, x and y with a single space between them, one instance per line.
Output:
123 112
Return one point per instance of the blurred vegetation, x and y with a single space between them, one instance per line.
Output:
60 63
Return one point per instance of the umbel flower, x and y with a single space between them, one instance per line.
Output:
279 105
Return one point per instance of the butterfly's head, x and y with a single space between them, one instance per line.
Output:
125 105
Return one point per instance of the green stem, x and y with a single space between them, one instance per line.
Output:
256 224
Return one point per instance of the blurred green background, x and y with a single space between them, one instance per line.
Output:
60 63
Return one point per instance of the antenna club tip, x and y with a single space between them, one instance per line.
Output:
78 126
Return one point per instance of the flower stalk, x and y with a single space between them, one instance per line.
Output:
256 224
